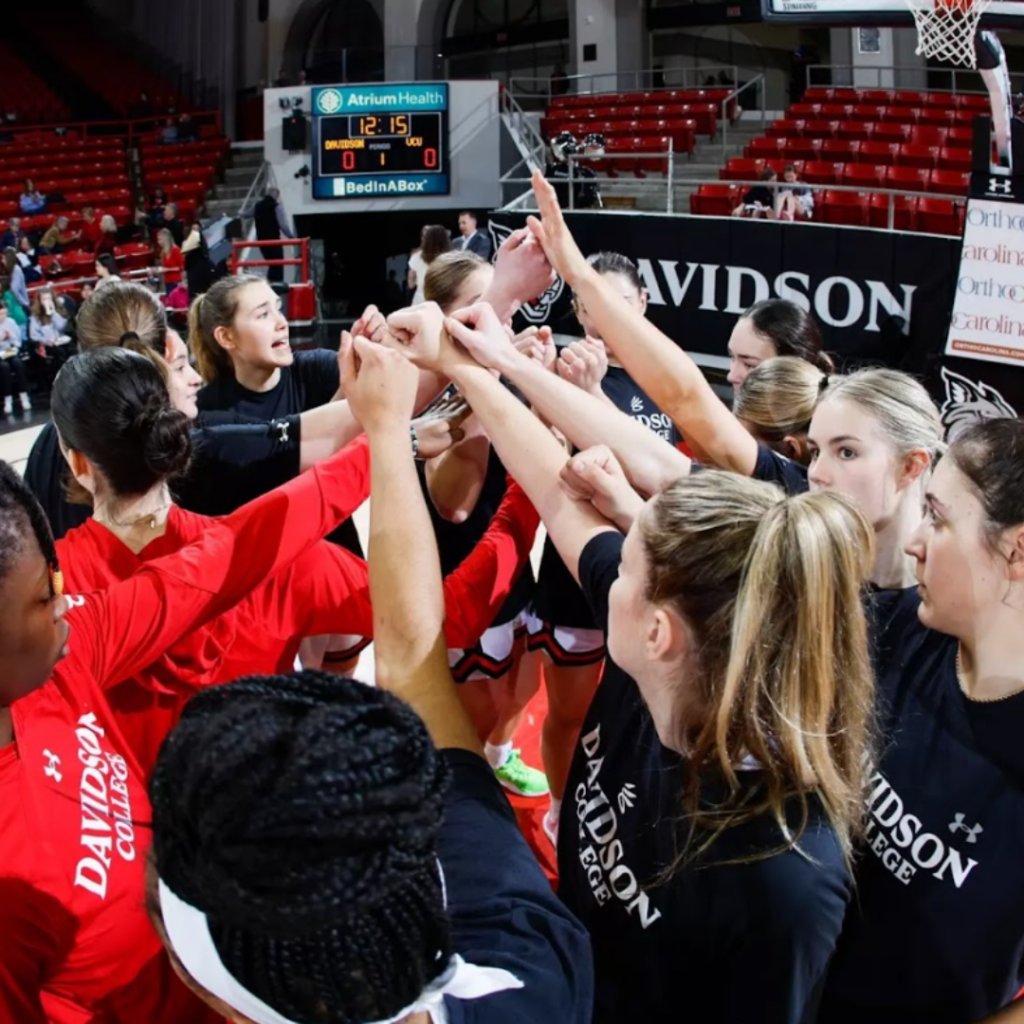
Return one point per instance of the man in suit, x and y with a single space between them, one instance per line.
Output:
470 238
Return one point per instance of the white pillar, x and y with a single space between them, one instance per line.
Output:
871 69
608 40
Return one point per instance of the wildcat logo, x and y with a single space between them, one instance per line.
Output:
969 402
539 310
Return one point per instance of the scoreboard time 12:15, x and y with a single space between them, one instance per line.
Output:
386 143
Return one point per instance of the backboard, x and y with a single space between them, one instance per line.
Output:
1005 14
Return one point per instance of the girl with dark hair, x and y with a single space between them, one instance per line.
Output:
434 242
126 444
74 938
106 267
393 854
717 789
774 327
13 378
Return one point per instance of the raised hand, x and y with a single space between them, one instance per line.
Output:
551 232
595 475
418 333
480 332
440 426
380 384
521 272
585 364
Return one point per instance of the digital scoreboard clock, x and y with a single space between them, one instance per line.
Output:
380 140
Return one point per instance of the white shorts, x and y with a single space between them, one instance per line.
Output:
565 645
492 657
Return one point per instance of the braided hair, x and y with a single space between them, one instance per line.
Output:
19 513
301 815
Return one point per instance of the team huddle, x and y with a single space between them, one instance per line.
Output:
779 641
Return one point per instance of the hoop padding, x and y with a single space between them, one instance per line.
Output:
946 28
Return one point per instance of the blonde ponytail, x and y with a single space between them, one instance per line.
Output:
770 590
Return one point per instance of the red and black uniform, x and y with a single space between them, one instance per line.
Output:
76 946
326 590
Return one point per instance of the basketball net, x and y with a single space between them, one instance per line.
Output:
946 28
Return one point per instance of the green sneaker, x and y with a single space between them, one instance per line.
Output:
518 777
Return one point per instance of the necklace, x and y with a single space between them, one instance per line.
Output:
967 694
127 524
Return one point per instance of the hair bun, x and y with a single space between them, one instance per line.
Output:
166 438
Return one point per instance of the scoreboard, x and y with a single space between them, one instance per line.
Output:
381 140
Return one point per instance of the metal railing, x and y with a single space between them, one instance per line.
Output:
524 201
842 76
622 81
236 262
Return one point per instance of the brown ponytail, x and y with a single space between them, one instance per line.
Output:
217 308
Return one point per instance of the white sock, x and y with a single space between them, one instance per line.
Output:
497 755
556 809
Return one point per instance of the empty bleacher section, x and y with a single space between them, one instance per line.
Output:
25 95
913 142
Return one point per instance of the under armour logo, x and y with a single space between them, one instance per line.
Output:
973 831
52 769
627 797
282 430
636 404
1000 185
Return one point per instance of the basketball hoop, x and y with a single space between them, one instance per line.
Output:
946 28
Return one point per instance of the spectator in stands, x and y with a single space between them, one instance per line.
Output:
171 259
471 238
11 238
795 202
106 268
108 235
15 310
281 82
91 230
87 291
13 379
32 201
434 242
140 220
271 221
177 297
157 205
302 77
759 201
16 279
170 131
188 130
47 328
28 261
58 237
199 271
173 223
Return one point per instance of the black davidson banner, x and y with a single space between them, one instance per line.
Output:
881 298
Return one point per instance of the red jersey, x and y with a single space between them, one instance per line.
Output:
92 232
76 945
324 591
173 264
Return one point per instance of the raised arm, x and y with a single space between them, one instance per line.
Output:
128 626
672 379
526 447
405 572
650 462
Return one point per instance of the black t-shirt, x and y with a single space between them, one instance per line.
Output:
235 460
456 541
558 598
777 469
759 194
503 912
312 380
936 933
47 476
749 942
